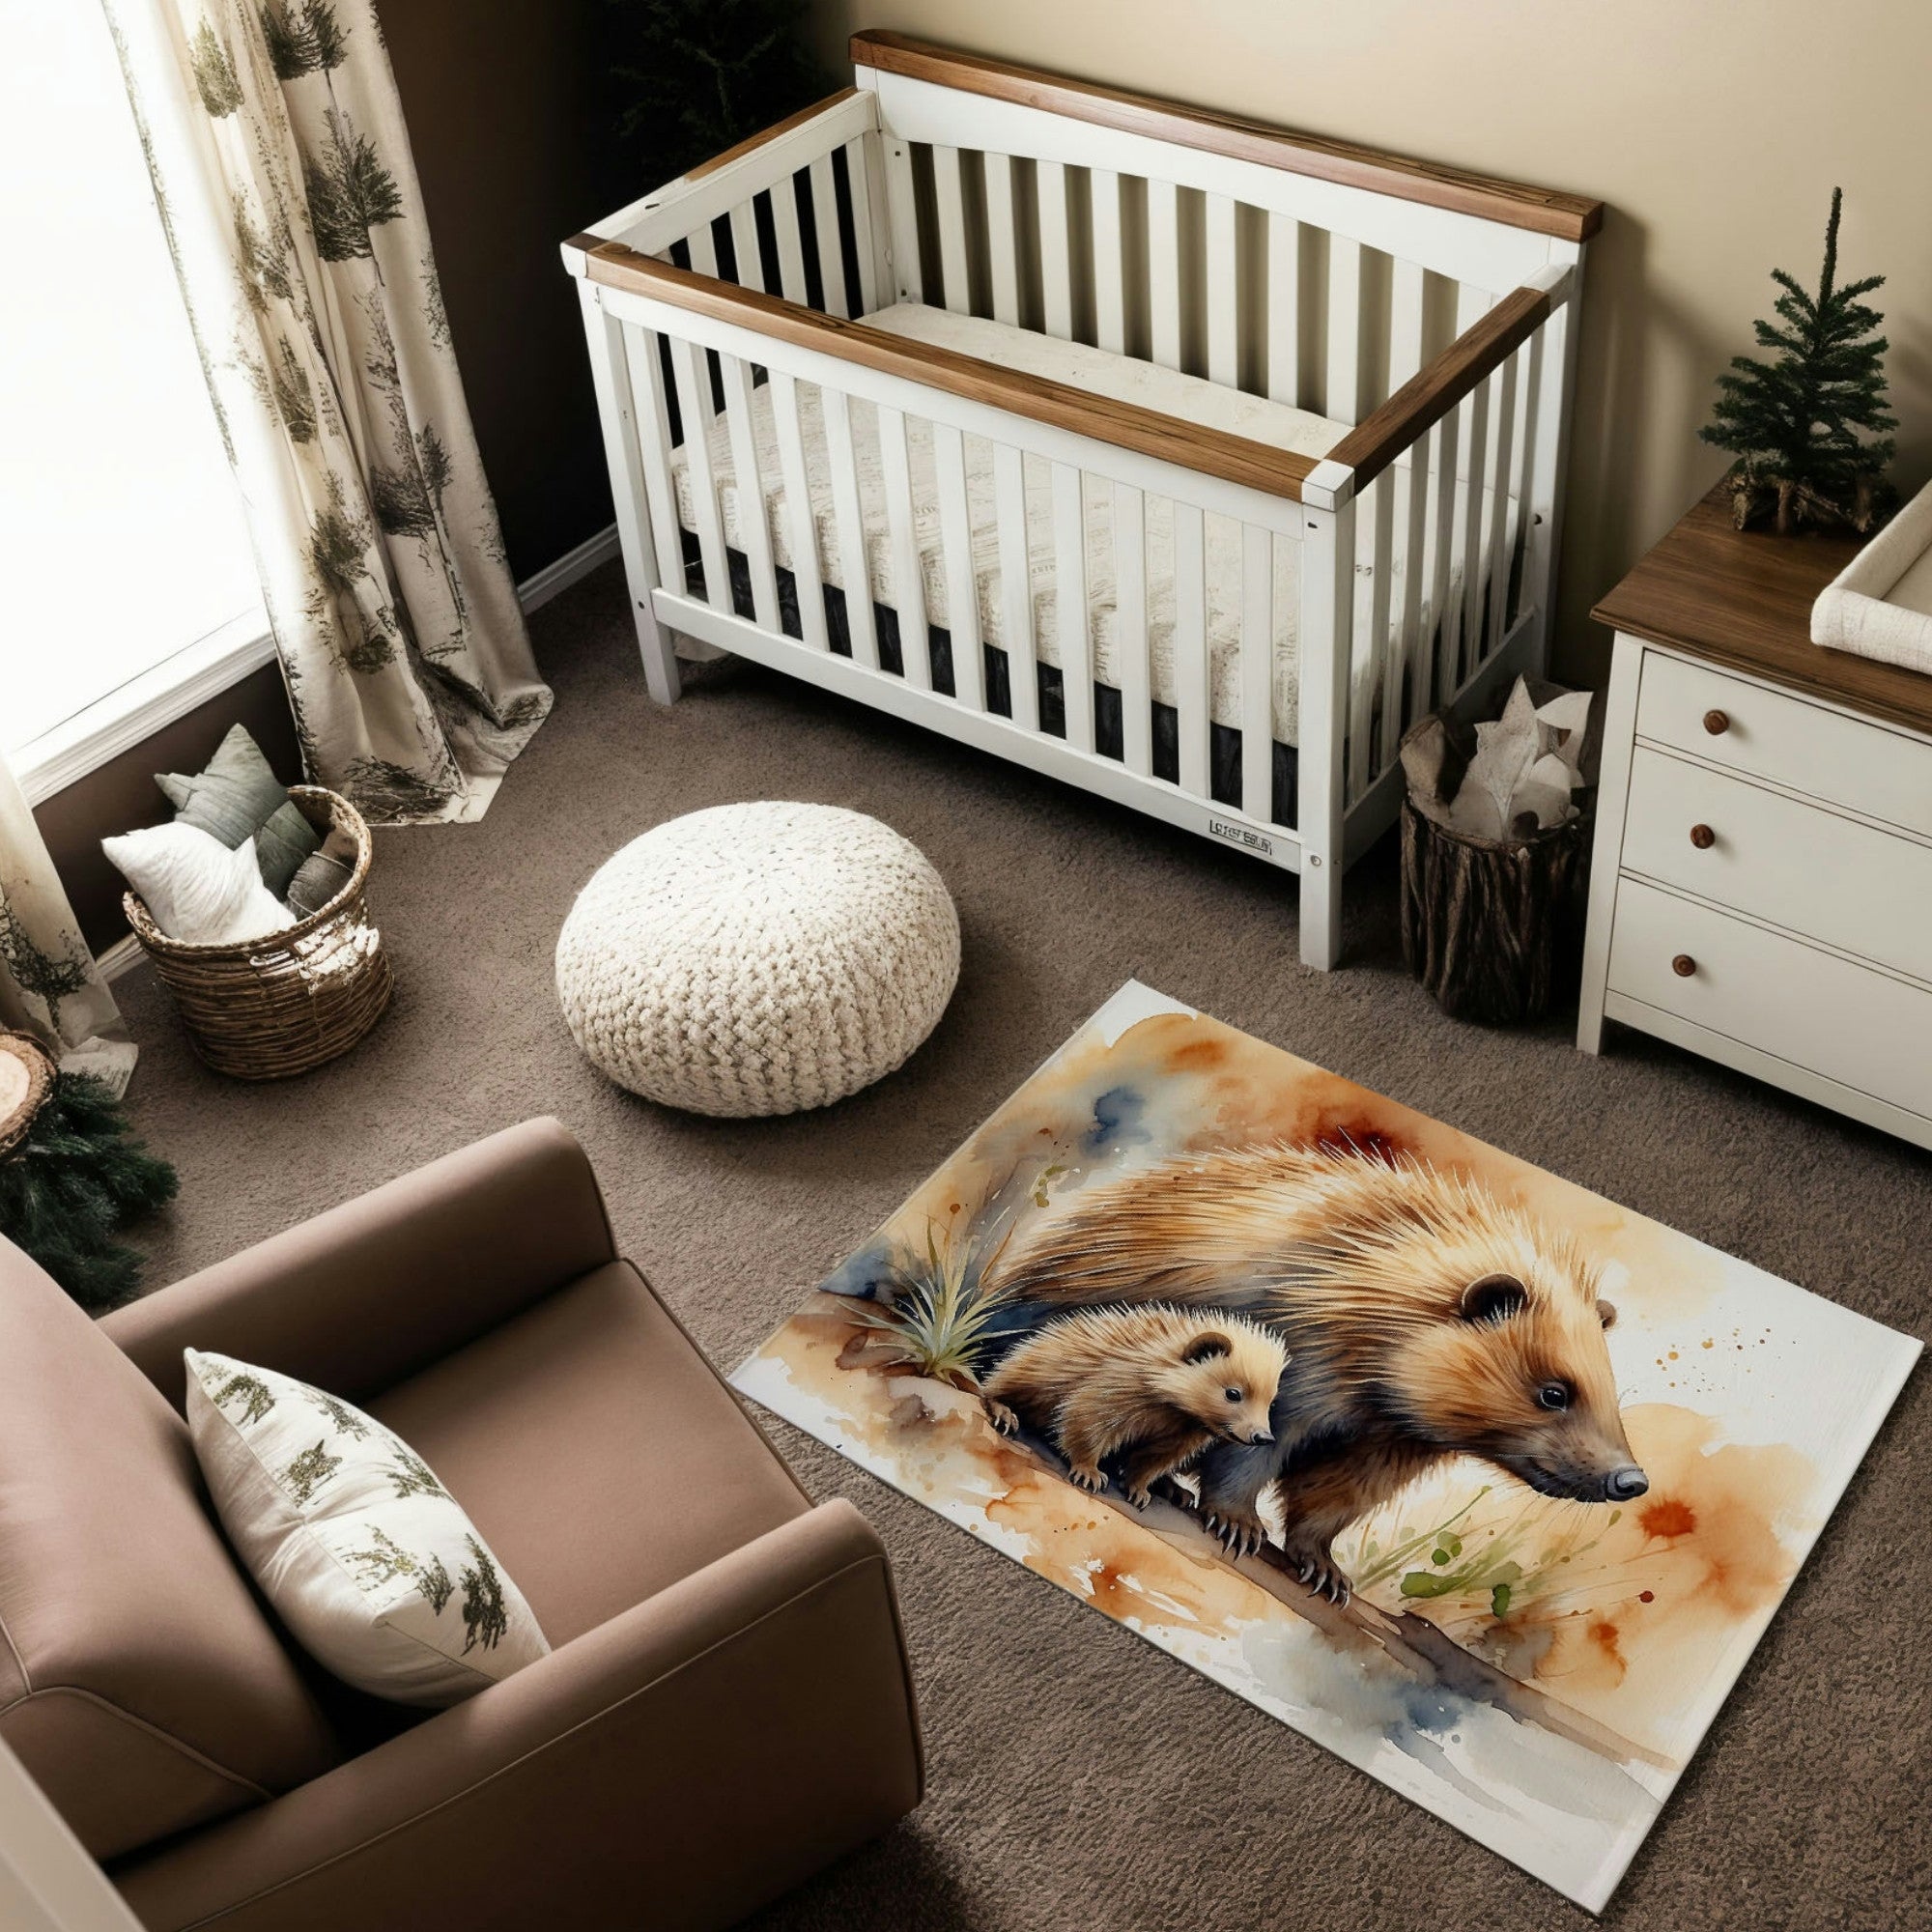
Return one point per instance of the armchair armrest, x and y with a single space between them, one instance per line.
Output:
367 1293
676 1766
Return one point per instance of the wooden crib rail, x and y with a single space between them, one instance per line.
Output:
1569 217
1428 397
727 181
1146 432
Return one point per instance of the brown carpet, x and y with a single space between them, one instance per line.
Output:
1079 1778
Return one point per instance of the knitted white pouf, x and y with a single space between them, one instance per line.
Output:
757 958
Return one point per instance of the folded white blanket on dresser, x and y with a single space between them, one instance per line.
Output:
1880 605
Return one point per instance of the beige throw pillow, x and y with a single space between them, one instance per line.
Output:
366 1557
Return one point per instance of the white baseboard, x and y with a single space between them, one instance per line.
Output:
554 579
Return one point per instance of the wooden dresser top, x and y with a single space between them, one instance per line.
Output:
1743 599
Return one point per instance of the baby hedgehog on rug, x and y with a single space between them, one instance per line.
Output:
1162 1384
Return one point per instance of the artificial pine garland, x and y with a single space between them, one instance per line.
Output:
72 1184
1794 422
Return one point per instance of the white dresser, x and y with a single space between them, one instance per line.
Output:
1761 887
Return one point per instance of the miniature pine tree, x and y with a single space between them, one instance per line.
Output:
1795 422
70 1185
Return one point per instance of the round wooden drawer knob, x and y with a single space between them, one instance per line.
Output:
1716 723
1683 965
1703 837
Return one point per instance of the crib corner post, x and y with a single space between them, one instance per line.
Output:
1328 624
616 413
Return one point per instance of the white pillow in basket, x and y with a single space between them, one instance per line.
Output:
198 891
366 1557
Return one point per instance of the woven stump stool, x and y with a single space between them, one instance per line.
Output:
757 958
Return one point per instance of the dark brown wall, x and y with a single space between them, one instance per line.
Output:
509 112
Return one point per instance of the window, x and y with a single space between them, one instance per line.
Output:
125 559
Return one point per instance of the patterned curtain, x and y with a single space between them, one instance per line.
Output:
282 172
49 985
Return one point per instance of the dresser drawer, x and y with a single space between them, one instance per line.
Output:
1848 762
1799 865
1855 1025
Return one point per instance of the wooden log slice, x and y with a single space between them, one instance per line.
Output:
26 1078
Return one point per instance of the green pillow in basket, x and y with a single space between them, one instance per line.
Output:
237 797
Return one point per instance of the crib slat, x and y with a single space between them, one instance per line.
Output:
803 535
951 197
694 406
1257 673
962 592
791 246
1109 313
703 251
1284 309
1384 667
1405 322
848 515
1130 628
745 246
865 175
1223 310
754 536
1507 377
1192 695
824 187
1069 606
1056 268
907 580
1010 498
653 420
1414 674
1447 612
1470 548
1002 248
1164 271
1345 331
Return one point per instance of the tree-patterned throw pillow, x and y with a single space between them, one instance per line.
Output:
366 1557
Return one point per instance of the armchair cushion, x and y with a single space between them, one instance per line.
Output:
140 1683
368 1560
595 1449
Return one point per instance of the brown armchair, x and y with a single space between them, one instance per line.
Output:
727 1706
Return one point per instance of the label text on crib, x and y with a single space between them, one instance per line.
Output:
1241 835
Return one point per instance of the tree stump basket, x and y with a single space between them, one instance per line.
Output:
270 1008
1493 927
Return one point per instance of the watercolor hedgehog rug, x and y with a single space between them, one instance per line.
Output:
1476 1479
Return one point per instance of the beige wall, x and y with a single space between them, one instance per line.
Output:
1715 130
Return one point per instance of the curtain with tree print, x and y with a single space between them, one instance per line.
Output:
49 985
282 172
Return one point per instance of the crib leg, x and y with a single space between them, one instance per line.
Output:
1320 912
657 645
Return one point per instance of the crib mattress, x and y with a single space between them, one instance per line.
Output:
1101 374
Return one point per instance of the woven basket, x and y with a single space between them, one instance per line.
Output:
277 1006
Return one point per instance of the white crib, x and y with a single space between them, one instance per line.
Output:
1178 457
